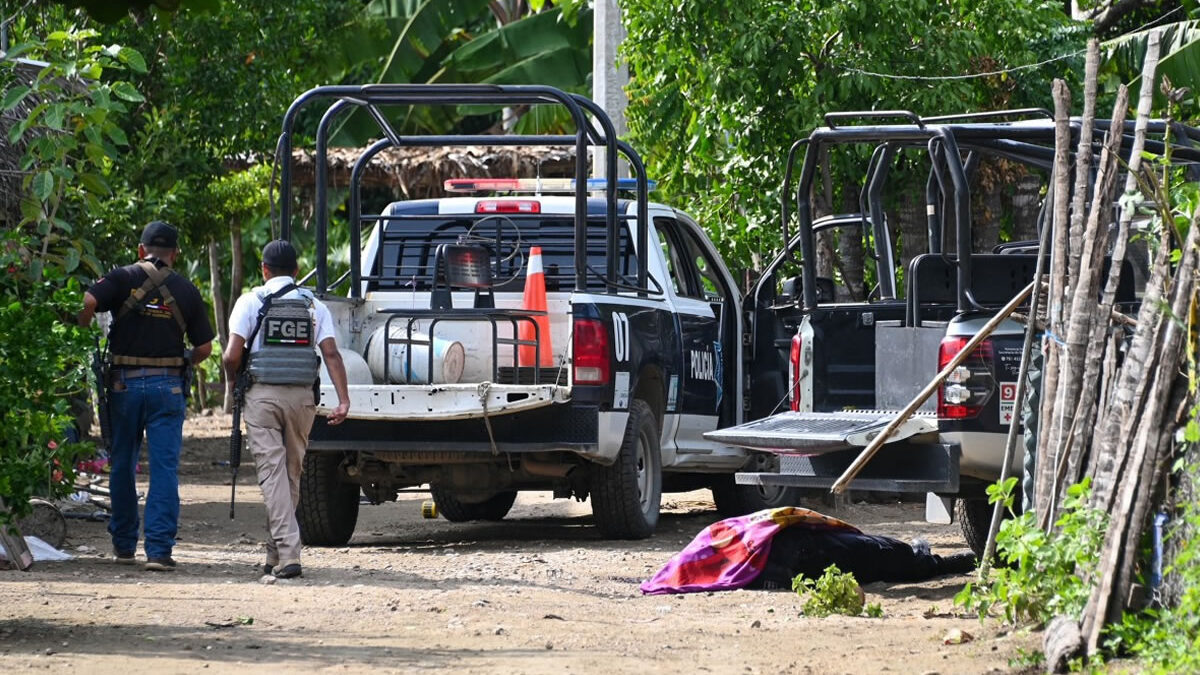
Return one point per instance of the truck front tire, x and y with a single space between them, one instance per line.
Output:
626 495
456 511
328 508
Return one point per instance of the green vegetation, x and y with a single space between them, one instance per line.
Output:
722 89
834 592
69 129
1040 576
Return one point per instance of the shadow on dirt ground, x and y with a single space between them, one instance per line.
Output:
538 592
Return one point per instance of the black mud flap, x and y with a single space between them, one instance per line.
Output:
898 467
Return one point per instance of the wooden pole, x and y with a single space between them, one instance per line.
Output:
868 452
1010 443
1043 465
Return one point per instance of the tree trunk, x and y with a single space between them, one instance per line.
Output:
236 280
1081 348
220 308
914 235
1092 378
850 249
986 219
823 206
1083 159
1025 207
1138 462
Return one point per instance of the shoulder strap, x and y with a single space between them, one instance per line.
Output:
156 277
262 314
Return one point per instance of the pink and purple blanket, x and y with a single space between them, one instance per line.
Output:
731 553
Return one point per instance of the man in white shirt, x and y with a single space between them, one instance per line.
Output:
281 323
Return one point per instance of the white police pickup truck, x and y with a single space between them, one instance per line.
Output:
457 381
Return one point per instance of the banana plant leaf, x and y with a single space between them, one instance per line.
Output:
426 34
1179 58
539 49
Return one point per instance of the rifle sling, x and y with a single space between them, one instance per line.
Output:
156 277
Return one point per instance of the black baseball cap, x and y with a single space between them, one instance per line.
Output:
160 234
279 254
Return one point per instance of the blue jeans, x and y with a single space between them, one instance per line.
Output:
152 407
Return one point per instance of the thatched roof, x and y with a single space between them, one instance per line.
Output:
24 72
415 173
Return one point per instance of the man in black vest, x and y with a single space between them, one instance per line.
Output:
153 309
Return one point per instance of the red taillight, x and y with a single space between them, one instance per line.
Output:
794 371
965 391
590 345
508 206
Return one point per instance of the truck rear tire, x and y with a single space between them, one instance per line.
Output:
456 511
626 495
733 500
328 508
975 518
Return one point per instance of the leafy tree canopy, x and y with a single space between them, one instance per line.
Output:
721 89
112 10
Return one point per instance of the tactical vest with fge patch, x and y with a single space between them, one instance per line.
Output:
287 355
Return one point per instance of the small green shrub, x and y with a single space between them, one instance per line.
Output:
1040 575
835 592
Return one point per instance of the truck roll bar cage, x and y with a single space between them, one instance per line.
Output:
584 113
955 145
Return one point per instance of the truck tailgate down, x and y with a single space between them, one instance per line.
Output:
809 433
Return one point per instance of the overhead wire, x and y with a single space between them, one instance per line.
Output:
970 76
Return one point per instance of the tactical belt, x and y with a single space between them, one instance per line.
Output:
135 373
160 361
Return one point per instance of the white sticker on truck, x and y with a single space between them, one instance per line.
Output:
1008 401
621 391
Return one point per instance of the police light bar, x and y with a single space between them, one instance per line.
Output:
536 184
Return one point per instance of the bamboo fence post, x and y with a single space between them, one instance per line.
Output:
1043 469
989 547
1133 496
1083 157
1067 364
1083 309
868 452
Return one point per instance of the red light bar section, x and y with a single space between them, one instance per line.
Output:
481 184
508 206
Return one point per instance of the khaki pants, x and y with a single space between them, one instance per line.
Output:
278 420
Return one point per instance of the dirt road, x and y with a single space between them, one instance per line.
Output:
536 593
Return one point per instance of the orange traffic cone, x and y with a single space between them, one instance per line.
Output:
535 299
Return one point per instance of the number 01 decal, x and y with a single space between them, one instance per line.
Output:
620 329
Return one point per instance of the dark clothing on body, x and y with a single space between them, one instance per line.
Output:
871 558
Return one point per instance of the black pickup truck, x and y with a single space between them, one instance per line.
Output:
852 366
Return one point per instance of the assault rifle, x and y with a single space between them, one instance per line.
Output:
100 367
188 372
240 384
